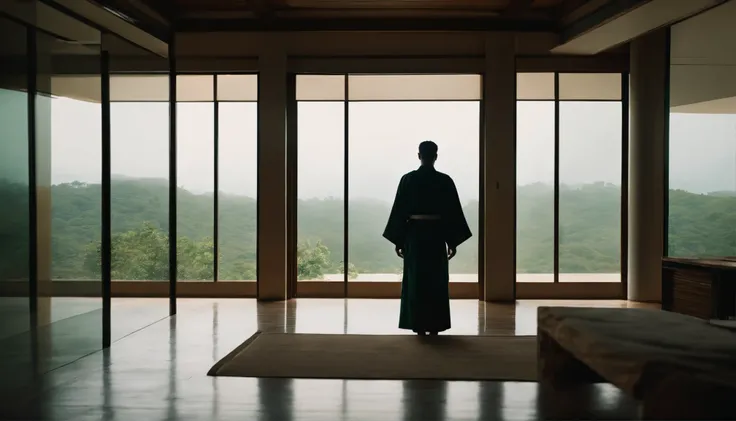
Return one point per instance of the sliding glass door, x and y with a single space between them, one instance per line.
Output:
357 135
571 197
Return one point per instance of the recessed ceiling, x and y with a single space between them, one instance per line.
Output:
345 8
310 14
703 65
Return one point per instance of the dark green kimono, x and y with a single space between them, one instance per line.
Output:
425 301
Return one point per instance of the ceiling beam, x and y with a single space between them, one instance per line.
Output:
264 9
517 8
147 15
104 18
366 24
347 14
161 12
618 22
53 21
573 10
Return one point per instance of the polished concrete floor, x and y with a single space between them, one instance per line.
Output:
156 368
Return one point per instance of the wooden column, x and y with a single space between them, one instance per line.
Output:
272 180
499 149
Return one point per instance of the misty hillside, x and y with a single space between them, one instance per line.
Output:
589 227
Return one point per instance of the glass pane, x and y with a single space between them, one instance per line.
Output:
320 87
195 192
14 187
140 208
535 86
237 87
139 149
414 87
590 191
590 86
238 191
68 176
535 192
195 88
702 177
320 191
702 136
381 153
76 140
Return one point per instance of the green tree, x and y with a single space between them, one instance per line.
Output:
195 259
352 270
143 254
241 270
312 260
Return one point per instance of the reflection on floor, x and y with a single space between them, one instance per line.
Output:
157 370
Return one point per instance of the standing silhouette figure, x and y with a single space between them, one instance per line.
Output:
426 225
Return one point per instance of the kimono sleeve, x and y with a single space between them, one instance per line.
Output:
395 230
457 230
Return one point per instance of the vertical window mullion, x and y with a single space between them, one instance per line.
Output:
172 177
106 210
216 201
556 264
624 249
346 190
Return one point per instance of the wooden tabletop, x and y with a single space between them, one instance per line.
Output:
726 263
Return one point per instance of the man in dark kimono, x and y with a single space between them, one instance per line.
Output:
426 226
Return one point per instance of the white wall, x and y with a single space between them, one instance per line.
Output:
703 62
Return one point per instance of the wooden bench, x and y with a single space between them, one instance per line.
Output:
677 366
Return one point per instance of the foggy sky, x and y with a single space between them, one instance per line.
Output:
383 139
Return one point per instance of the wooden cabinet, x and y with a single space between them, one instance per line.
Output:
704 288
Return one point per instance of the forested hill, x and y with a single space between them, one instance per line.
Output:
589 229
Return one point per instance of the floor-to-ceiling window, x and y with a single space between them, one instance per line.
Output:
321 177
216 177
195 184
535 177
139 137
702 136
357 135
14 182
53 184
569 177
139 174
389 116
237 155
216 181
590 147
68 169
217 173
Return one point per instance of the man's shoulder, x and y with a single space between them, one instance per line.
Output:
437 174
409 174
444 177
